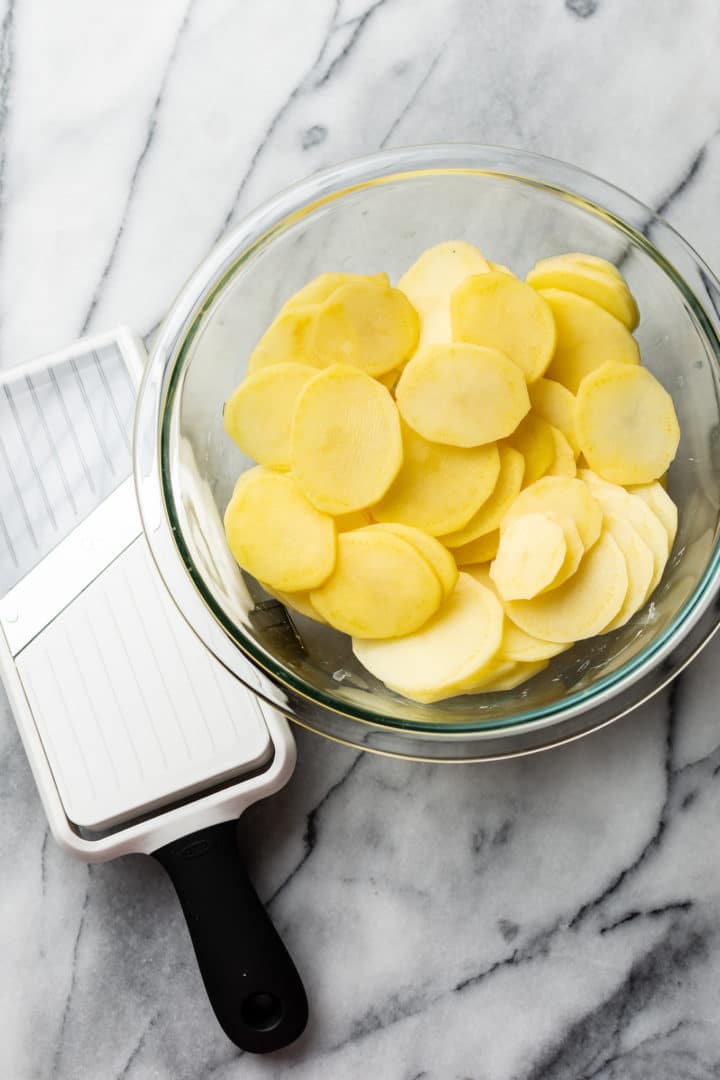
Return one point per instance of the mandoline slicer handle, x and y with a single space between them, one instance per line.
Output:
251 981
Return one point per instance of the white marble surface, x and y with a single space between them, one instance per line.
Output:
555 918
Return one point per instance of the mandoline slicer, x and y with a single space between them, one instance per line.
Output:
138 739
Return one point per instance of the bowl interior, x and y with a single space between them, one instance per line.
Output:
384 225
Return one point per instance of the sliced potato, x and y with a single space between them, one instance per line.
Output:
488 517
439 488
627 426
521 673
662 506
575 549
587 336
531 553
564 463
297 601
346 442
431 549
449 652
535 441
584 605
640 568
516 644
390 378
501 312
258 415
322 287
430 281
499 268
561 495
554 403
287 339
591 277
478 551
356 519
369 326
265 509
462 395
381 586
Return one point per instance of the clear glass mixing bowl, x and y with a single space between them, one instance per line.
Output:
376 214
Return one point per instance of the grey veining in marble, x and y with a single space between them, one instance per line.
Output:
556 918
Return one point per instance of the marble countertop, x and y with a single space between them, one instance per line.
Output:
556 918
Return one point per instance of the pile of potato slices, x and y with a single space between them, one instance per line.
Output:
464 472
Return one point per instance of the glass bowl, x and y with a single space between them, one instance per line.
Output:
377 214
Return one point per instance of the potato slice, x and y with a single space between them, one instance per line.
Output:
535 441
478 551
439 488
286 340
500 268
369 326
462 395
564 463
516 644
662 506
258 415
501 312
554 403
640 568
532 550
296 601
591 277
450 651
627 425
430 281
431 549
575 549
390 379
584 605
346 442
356 519
266 509
520 673
488 517
324 286
381 586
587 336
561 495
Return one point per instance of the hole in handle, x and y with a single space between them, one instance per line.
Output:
262 1011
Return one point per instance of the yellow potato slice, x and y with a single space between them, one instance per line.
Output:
561 495
431 549
516 644
439 488
564 463
531 553
297 601
478 551
390 378
369 326
266 509
575 549
501 312
627 425
449 652
258 415
381 587
346 442
286 340
554 403
521 673
584 605
462 395
430 281
488 517
587 336
500 268
591 277
662 506
356 519
324 286
640 568
535 441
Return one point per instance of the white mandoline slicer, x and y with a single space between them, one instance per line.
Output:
138 739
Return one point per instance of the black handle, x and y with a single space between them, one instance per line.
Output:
251 981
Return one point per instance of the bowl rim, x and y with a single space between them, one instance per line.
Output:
259 671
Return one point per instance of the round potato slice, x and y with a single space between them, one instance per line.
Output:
640 568
431 549
516 644
535 441
574 553
462 395
521 673
287 339
346 441
587 336
390 378
627 425
439 488
447 653
591 277
479 551
564 463
276 535
554 403
430 281
381 587
561 495
258 415
584 605
662 506
491 513
297 601
501 312
531 553
356 519
324 286
500 268
369 326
